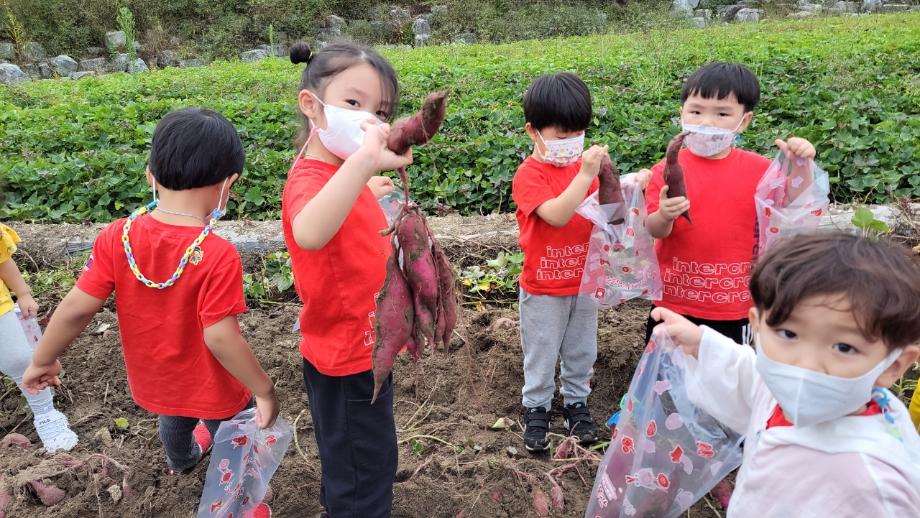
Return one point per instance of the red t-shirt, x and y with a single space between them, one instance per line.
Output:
338 284
170 369
554 258
706 265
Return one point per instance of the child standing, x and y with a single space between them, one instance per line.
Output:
556 325
331 220
836 320
705 265
15 353
184 355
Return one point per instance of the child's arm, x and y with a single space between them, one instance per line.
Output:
661 222
232 351
323 215
559 210
11 276
70 318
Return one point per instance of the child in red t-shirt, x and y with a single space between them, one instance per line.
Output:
706 265
178 290
555 323
331 220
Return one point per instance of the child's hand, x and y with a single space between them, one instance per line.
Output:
685 333
671 208
374 148
591 161
39 377
27 306
381 186
797 147
267 409
643 177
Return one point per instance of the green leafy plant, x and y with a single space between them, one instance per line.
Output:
271 40
125 21
121 423
499 277
16 32
871 226
273 281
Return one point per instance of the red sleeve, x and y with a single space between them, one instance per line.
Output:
300 189
98 277
222 294
529 189
653 190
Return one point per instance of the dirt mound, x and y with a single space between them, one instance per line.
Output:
450 461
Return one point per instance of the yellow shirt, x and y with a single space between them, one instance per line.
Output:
8 240
915 408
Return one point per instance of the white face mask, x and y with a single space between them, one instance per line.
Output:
708 141
808 397
343 134
563 152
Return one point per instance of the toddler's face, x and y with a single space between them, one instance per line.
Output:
725 113
821 335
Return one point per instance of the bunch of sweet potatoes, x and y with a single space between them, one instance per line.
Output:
417 306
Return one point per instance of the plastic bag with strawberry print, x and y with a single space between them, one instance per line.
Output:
790 198
621 262
665 453
243 460
30 327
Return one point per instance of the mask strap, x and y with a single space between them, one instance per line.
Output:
153 187
217 213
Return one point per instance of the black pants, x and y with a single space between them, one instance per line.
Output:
357 443
176 436
737 330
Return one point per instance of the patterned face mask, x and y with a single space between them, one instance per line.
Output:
563 152
708 141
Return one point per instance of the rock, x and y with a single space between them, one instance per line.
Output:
138 65
94 52
683 7
31 70
115 40
253 55
698 22
810 7
118 64
190 63
11 74
727 12
511 451
439 10
705 14
45 71
115 492
64 65
400 15
847 7
82 74
103 436
35 52
748 15
167 58
422 30
334 22
7 50
467 37
871 5
802 14
92 65
893 8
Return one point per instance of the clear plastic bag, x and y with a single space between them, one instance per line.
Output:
665 452
391 204
243 460
30 327
621 262
790 198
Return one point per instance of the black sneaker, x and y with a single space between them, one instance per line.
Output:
578 422
536 426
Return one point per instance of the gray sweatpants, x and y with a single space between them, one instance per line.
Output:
557 328
15 356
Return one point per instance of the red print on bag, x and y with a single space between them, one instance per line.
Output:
652 429
631 479
677 454
817 212
271 440
767 212
635 210
240 440
630 232
216 505
627 444
619 247
663 481
704 449
774 230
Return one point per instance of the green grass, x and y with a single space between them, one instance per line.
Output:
75 150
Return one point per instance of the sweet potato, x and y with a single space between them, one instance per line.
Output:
6 498
393 322
540 505
48 494
609 191
421 274
15 440
674 173
420 127
447 308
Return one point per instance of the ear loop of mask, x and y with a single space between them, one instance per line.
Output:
313 130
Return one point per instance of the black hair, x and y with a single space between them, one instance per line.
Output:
879 280
720 80
334 59
193 148
561 100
